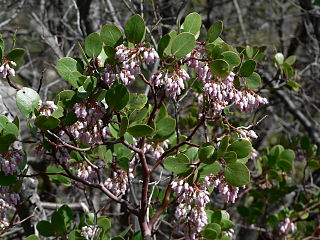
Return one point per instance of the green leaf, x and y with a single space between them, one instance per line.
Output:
230 157
75 235
137 101
6 180
216 216
58 223
288 70
291 60
33 237
105 154
192 24
16 55
57 178
249 51
161 113
241 147
247 68
205 152
178 164
93 45
135 29
226 224
165 126
207 169
140 130
67 214
224 143
117 97
214 31
118 238
3 122
192 153
163 44
123 126
273 174
27 100
74 78
288 154
294 85
274 154
46 122
10 129
138 116
104 223
220 68
183 44
285 165
314 164
67 66
172 34
45 228
231 58
111 35
58 112
209 233
237 174
214 226
254 80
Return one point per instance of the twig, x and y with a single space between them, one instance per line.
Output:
12 85
41 79
240 19
13 16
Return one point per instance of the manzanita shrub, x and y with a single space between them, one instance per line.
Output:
102 136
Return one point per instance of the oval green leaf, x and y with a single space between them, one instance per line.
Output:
93 45
140 130
192 24
241 147
254 80
135 29
214 31
183 44
27 100
111 35
237 174
220 68
117 97
247 68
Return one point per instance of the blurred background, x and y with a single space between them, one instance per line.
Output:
51 29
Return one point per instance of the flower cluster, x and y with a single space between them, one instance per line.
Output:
87 173
221 91
6 70
130 64
48 108
7 200
229 233
191 209
287 226
118 183
89 127
246 134
156 149
229 193
173 81
10 160
87 232
109 74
